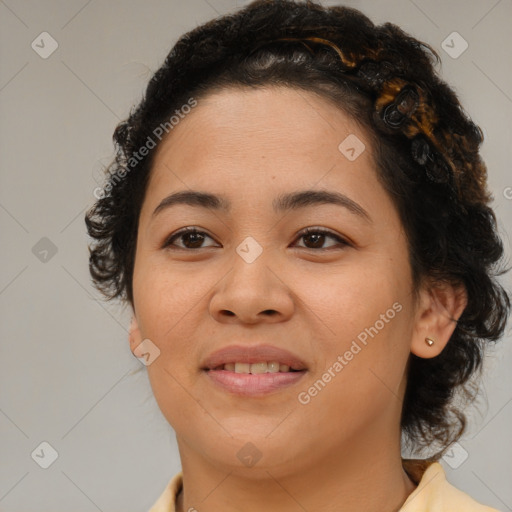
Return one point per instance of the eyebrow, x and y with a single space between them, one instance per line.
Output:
283 203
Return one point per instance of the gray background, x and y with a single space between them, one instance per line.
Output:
66 369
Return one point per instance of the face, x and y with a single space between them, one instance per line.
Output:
337 300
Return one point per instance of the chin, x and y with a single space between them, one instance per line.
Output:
250 454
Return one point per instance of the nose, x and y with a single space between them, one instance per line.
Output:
253 292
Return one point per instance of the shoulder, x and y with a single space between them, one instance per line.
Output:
435 494
167 500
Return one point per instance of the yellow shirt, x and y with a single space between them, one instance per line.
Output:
433 492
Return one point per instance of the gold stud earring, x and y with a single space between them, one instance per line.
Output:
429 341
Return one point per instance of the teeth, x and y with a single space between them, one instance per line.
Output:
242 368
273 367
259 368
255 368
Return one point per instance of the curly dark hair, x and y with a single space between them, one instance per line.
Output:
425 146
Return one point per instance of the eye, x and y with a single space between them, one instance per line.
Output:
316 237
193 238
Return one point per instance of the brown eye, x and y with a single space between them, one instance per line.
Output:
316 237
191 238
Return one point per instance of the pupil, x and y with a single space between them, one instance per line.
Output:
318 237
198 240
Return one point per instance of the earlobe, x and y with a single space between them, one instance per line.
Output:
135 335
440 307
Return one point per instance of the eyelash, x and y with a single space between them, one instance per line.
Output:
168 244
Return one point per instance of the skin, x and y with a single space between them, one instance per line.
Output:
340 451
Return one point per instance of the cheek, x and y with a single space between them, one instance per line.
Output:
165 311
162 297
168 316
357 382
361 340
345 299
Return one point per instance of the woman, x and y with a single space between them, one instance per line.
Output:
299 218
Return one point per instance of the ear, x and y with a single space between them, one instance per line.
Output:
135 335
440 306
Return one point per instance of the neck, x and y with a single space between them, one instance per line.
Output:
363 476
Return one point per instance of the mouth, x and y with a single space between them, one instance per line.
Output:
256 368
253 371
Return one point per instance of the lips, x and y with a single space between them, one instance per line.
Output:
251 355
220 370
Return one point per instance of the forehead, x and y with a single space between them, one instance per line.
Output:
275 110
256 131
